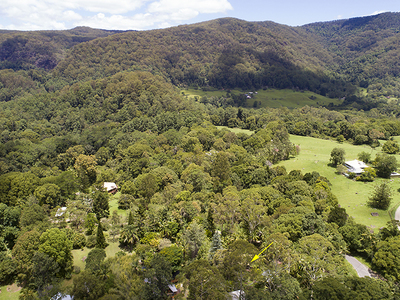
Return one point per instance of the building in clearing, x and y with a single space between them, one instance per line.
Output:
355 166
111 187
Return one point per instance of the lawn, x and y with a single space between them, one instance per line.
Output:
113 205
352 195
270 97
236 130
9 292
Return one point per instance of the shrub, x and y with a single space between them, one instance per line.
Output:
91 241
381 196
78 241
125 201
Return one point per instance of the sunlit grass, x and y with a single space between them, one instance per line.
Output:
270 97
352 195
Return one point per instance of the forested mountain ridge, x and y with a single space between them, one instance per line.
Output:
366 48
330 58
42 49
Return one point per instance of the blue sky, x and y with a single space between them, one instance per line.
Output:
152 14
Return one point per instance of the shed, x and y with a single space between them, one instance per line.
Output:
111 187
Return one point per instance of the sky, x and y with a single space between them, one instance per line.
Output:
154 14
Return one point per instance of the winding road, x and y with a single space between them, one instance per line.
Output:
362 270
397 214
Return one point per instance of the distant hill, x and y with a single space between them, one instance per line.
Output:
333 59
42 49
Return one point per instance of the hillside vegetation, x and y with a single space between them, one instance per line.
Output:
202 129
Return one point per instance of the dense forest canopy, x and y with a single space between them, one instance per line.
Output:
196 200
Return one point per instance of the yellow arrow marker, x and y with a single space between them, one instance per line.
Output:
257 256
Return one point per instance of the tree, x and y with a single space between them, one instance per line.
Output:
90 223
174 255
158 275
387 258
44 271
385 165
49 194
381 196
100 239
85 167
338 215
192 239
89 286
364 156
100 205
337 157
390 147
204 281
94 259
25 248
55 244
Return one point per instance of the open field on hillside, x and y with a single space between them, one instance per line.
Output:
236 130
352 195
271 97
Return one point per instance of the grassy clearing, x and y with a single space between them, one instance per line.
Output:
81 254
113 204
9 292
352 195
236 130
271 97
290 99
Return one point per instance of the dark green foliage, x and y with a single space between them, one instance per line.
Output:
364 156
385 165
8 268
386 258
44 271
174 255
338 215
125 201
205 281
94 259
100 205
381 197
337 157
158 274
100 239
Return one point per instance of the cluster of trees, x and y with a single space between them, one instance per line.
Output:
201 202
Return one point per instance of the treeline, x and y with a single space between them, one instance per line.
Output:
38 125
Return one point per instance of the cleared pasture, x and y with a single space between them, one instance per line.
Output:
270 97
352 195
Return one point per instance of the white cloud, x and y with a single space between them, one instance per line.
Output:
377 12
105 14
204 6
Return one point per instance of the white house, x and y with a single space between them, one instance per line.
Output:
111 187
355 166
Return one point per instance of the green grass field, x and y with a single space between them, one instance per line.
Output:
10 292
236 130
352 195
271 97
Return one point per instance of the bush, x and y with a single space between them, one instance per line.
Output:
125 201
91 241
368 175
381 196
77 269
78 241
352 175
